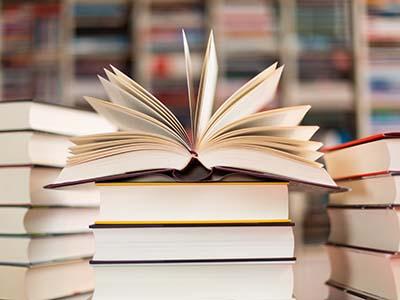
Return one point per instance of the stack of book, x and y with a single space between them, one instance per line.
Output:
200 214
364 241
195 240
44 236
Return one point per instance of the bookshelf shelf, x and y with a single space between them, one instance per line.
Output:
142 37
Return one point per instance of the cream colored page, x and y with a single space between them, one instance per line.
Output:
250 103
114 136
125 162
257 151
189 81
127 119
247 87
102 153
125 82
266 162
301 133
137 87
208 83
290 116
123 98
116 143
301 144
261 141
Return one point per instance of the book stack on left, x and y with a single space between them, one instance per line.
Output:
44 236
364 242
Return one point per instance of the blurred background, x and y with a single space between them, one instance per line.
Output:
340 56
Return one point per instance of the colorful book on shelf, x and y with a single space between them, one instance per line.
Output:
236 136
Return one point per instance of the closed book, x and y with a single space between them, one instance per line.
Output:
23 185
371 228
192 202
371 273
377 154
154 242
46 281
45 220
33 148
29 250
383 190
245 280
32 115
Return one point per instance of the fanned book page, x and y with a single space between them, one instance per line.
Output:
237 136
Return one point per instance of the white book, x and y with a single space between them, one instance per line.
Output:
45 220
195 281
29 115
368 191
23 185
372 228
375 274
46 281
33 148
193 241
28 250
153 203
377 154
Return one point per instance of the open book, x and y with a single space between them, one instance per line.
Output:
235 137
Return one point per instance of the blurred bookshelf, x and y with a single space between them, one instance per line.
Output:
383 39
340 56
96 44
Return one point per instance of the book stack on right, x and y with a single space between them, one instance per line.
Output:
364 242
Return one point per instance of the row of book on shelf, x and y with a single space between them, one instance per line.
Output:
111 41
384 45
